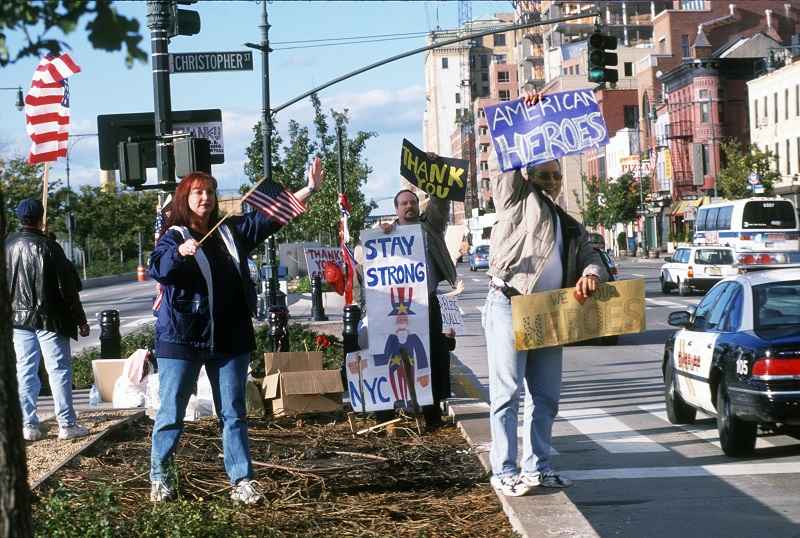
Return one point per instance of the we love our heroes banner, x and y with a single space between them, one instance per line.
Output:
562 316
441 177
560 124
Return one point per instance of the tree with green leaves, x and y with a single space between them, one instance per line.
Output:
321 221
107 29
732 181
20 180
592 209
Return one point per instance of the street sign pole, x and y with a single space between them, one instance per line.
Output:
158 22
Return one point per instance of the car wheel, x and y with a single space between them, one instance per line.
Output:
472 268
678 411
612 340
683 289
736 437
664 286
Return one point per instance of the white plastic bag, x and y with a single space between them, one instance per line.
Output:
126 394
152 399
204 405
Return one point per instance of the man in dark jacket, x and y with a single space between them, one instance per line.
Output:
47 312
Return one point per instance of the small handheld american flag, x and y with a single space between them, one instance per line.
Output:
275 201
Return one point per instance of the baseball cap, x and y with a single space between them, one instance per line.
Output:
30 210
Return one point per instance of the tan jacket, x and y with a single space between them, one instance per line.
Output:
524 234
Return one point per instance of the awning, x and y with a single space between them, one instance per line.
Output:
677 207
702 201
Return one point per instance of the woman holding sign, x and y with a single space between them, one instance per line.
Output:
529 253
205 319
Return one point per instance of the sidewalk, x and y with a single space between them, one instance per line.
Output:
528 515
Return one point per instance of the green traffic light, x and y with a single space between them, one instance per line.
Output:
599 58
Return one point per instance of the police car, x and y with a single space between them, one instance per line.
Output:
737 357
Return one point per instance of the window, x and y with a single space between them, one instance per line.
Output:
786 104
485 91
472 61
630 116
797 100
499 40
505 95
798 153
484 77
704 309
484 165
788 160
484 61
484 148
570 70
503 76
477 41
704 110
499 59
458 98
692 5
733 311
766 113
627 68
444 63
662 45
706 160
775 97
685 46
721 112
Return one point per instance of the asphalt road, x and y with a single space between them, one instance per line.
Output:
634 473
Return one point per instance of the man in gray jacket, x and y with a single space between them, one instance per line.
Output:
531 251
47 312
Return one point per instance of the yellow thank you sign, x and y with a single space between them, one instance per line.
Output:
563 316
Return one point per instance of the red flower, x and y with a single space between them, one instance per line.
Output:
322 341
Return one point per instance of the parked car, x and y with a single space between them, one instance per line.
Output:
737 357
479 259
609 263
597 240
696 268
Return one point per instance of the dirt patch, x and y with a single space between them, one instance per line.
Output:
318 478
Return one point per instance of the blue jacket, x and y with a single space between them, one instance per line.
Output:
190 324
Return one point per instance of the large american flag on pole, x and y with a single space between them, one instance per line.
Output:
275 201
47 108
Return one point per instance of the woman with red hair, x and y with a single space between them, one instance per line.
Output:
205 319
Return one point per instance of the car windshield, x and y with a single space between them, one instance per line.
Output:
713 256
482 250
776 304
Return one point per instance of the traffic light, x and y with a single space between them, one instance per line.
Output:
192 154
132 170
182 21
599 58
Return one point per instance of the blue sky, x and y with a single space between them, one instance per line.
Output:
389 100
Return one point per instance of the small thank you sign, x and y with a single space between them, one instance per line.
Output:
560 124
441 177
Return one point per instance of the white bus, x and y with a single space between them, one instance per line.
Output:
762 231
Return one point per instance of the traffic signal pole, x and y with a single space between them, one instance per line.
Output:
158 20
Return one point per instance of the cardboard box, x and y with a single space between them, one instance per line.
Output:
106 372
296 383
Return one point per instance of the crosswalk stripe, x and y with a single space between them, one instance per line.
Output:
609 432
705 432
714 470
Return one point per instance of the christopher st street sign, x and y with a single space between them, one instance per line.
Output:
198 62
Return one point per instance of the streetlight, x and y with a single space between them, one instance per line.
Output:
70 218
642 212
20 103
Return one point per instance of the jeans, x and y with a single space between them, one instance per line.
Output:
30 347
540 370
177 379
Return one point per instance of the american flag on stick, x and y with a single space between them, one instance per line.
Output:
47 108
275 201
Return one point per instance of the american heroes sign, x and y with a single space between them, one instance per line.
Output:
560 124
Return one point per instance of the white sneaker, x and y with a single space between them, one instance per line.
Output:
31 434
160 492
71 432
549 479
245 491
511 486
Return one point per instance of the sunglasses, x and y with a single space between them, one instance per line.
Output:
544 176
